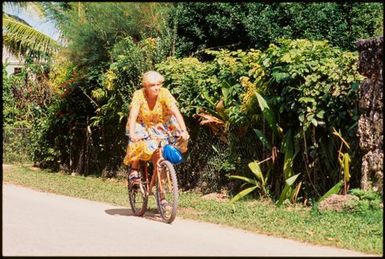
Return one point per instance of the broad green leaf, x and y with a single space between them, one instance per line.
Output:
301 117
335 189
320 114
208 98
292 179
307 100
225 93
346 160
243 193
262 138
288 149
262 102
245 179
280 76
268 114
284 194
286 58
256 169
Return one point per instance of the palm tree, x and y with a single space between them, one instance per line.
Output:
21 39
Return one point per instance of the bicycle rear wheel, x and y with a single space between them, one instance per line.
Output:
167 192
138 197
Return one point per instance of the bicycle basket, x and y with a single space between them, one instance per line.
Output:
172 154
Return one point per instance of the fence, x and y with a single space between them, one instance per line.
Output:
17 145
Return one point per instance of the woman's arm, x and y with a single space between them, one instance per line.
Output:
134 111
175 111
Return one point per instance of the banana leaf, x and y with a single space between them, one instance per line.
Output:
268 114
287 190
288 149
245 179
256 169
263 139
243 193
335 189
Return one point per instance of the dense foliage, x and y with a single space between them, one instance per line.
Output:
26 96
256 25
109 46
309 87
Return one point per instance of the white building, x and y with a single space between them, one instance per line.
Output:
12 63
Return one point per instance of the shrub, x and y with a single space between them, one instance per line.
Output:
310 87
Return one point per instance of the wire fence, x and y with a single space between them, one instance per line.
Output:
207 164
17 145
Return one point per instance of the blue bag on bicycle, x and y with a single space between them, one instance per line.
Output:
172 154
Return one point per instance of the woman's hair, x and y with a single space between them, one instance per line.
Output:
152 75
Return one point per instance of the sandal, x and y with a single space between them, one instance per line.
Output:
134 178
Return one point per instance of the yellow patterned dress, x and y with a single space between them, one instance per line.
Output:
153 126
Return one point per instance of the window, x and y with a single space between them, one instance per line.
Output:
17 70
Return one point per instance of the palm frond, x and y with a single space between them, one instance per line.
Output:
35 7
21 39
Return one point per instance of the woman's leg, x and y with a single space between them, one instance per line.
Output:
135 165
155 158
134 176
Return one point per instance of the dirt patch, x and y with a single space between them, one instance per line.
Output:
216 196
7 167
338 202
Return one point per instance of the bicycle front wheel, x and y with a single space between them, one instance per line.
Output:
167 192
138 198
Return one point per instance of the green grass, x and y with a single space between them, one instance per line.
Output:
355 230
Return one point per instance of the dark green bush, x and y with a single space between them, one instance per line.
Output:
256 25
310 87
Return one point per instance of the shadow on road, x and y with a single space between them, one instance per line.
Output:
151 214
121 212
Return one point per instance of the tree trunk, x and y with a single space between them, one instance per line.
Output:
370 124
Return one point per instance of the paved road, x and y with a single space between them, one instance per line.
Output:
44 224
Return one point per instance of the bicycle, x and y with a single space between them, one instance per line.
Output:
166 194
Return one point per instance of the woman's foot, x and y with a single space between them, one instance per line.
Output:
133 178
165 205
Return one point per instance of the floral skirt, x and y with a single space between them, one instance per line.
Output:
151 138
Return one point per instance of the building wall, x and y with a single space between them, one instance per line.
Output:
11 62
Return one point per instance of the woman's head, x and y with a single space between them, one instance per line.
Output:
152 81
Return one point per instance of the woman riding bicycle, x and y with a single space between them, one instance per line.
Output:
154 117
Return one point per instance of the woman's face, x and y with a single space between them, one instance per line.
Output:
152 87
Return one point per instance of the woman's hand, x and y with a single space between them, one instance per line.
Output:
184 134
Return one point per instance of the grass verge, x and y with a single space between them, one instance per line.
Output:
358 230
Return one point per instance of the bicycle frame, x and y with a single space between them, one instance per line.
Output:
150 183
166 193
